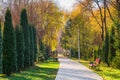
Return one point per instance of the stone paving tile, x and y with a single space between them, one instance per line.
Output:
71 70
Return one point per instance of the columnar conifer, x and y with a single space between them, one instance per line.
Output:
24 25
0 49
20 47
31 45
9 50
35 43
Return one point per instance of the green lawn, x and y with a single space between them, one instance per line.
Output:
44 71
107 73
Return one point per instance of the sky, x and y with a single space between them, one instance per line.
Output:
65 4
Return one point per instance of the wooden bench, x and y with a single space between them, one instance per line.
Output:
95 63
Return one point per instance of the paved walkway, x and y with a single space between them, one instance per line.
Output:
71 70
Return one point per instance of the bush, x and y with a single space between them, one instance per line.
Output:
116 61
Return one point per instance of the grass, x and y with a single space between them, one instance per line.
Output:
108 73
44 71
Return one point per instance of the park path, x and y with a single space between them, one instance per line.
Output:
71 70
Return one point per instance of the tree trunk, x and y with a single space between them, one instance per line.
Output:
118 7
105 25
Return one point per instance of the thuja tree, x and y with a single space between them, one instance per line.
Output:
31 45
24 24
9 53
42 50
116 60
20 47
112 49
47 51
34 43
106 49
0 49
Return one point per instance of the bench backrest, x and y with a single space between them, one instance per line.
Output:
97 61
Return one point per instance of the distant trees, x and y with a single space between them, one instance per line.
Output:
42 48
9 49
44 51
105 19
47 52
70 34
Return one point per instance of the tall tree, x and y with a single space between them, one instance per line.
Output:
116 62
88 5
35 43
24 25
9 53
42 47
31 45
106 49
47 52
112 48
20 47
0 49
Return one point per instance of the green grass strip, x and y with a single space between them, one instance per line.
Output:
43 71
